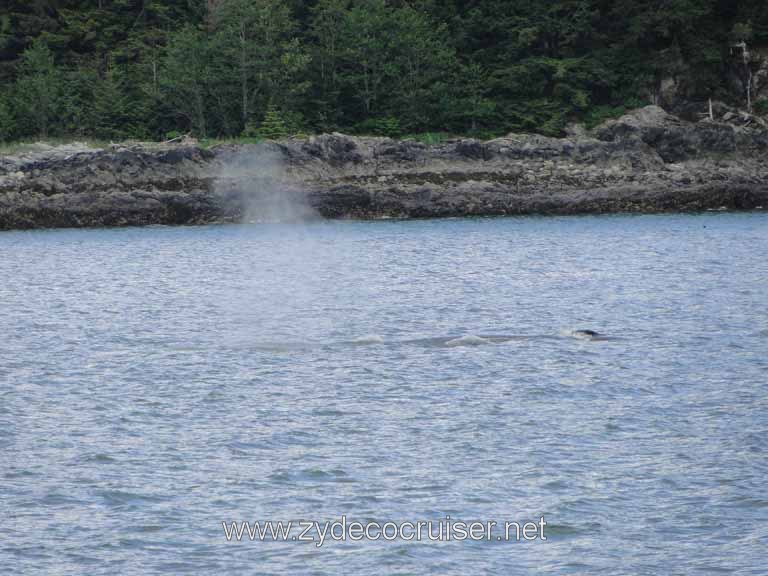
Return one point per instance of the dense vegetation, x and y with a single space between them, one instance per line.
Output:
152 68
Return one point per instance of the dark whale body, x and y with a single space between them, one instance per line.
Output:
590 333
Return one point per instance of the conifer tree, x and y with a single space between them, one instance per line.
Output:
271 128
185 79
490 67
6 120
39 88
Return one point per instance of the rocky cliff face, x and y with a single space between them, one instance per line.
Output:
647 161
78 187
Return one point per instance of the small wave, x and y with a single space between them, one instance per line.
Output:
281 346
122 498
369 339
469 340
566 530
100 458
335 475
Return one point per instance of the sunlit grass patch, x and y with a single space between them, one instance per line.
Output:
38 145
212 142
429 138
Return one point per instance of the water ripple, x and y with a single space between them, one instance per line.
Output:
157 382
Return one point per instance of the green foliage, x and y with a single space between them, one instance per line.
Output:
258 56
115 115
473 109
429 138
185 79
75 114
761 107
600 114
140 69
383 59
387 126
7 122
39 88
271 128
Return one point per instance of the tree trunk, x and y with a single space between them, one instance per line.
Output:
244 76
210 15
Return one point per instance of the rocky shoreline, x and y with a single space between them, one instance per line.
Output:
645 162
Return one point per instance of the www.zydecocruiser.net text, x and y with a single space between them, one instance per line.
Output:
344 530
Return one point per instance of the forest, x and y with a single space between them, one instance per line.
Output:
154 69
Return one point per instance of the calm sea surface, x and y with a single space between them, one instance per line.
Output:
157 382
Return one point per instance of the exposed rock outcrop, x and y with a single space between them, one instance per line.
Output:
647 161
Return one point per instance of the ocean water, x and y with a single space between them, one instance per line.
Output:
157 382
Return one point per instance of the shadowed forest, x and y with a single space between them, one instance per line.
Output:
154 69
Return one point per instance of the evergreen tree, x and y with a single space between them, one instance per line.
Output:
185 79
38 89
390 60
271 128
257 38
423 62
328 18
125 68
115 115
7 121
75 116
473 108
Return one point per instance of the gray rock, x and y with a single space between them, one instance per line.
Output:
646 161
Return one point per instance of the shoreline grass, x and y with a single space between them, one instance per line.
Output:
37 144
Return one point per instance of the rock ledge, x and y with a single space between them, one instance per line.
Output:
647 161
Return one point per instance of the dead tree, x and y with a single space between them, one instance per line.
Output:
211 16
746 59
